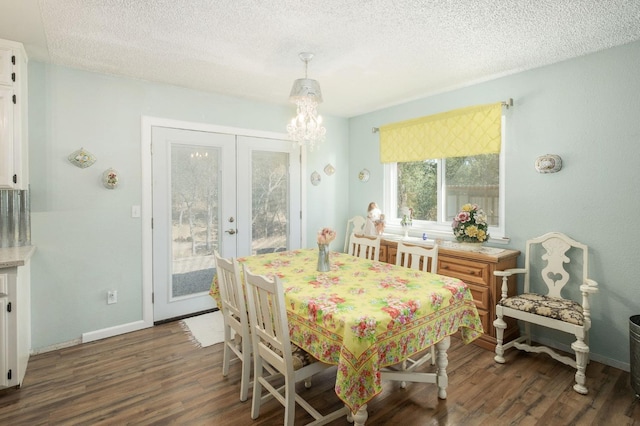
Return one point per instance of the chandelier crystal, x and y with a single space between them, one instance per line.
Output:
306 127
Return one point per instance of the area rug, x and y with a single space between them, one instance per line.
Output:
204 330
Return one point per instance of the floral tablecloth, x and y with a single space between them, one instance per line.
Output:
365 315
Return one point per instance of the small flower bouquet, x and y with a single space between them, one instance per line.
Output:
470 225
326 235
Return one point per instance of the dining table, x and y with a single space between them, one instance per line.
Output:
366 316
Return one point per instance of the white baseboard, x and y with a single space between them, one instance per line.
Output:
592 356
55 347
114 331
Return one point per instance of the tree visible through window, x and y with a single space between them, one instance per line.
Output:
454 181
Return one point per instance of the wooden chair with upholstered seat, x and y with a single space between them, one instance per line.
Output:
235 317
364 246
424 259
556 296
272 348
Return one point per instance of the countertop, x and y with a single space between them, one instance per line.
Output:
15 256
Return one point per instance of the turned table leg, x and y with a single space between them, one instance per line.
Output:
360 416
442 361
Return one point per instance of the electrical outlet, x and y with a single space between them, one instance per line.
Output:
112 297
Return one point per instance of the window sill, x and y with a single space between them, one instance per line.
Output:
434 234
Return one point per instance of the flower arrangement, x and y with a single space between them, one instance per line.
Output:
326 235
470 225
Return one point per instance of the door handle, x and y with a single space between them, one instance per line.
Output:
230 231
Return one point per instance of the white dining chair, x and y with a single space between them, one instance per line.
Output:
272 347
235 318
417 257
355 225
364 246
424 259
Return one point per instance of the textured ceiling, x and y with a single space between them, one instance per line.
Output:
368 54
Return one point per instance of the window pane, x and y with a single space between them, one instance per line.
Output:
194 189
270 203
474 180
418 189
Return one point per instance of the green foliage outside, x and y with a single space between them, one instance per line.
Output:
472 179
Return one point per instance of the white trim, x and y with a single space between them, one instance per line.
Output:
55 347
592 356
147 122
113 331
303 195
502 192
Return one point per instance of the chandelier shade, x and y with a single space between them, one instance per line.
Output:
305 87
306 127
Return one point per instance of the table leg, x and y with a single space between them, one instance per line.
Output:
360 416
442 360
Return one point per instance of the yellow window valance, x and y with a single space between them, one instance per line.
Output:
462 132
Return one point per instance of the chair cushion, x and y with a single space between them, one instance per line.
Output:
551 307
300 357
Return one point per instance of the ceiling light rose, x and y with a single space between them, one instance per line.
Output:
306 127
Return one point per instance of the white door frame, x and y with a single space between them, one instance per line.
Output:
147 202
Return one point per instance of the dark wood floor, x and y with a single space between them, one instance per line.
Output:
157 376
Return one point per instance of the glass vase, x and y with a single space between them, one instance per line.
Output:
323 258
405 229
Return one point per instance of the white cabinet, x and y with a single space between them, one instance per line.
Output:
14 166
15 324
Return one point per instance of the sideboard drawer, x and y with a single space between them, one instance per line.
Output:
484 319
469 271
480 295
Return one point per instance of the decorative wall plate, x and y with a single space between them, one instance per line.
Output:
363 176
81 158
110 178
315 178
329 169
549 163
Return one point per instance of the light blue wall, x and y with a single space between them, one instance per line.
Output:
86 240
586 110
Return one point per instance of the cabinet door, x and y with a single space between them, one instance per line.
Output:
6 138
4 343
6 66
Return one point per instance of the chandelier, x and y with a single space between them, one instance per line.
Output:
306 127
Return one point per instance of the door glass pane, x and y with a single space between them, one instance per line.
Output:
270 202
194 217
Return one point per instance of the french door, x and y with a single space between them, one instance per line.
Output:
238 195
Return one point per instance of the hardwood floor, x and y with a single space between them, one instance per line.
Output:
157 376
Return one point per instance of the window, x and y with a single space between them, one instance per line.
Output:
436 189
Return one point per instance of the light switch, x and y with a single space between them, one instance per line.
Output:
135 211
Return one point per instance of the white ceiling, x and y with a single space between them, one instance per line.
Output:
369 54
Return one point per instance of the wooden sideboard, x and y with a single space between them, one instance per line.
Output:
476 269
